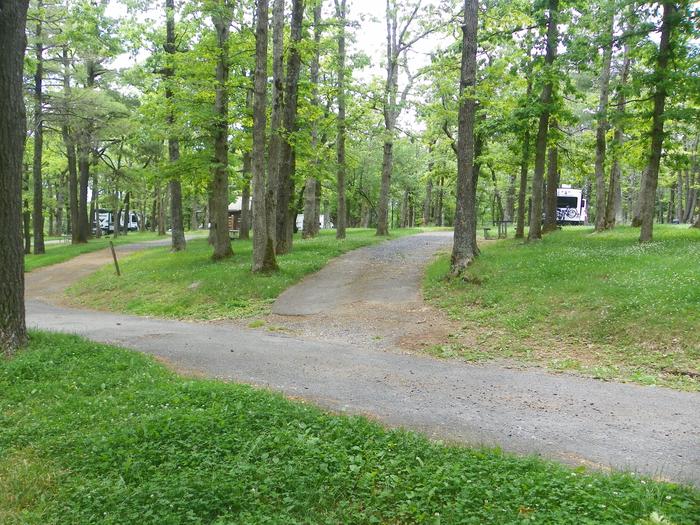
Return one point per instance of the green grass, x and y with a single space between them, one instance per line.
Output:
96 434
599 304
58 253
189 285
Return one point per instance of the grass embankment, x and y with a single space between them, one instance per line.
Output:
599 304
60 252
96 434
189 285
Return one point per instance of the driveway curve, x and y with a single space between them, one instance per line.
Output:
653 431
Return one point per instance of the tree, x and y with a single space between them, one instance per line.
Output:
221 18
13 19
178 242
543 126
602 118
651 178
263 242
398 41
312 184
465 249
286 211
38 211
340 142
613 203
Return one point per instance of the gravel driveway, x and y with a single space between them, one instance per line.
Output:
575 420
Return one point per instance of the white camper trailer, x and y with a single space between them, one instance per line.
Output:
106 221
572 208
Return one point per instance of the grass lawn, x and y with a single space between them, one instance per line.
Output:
189 285
96 434
57 253
599 304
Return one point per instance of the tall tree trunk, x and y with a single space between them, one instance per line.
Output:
244 227
602 128
178 242
543 126
85 147
263 242
679 197
510 199
311 204
524 165
390 116
94 206
614 198
60 204
286 212
340 13
691 194
275 146
522 190
650 182
38 215
13 332
70 149
219 186
161 211
317 208
427 204
27 223
246 210
439 209
550 208
127 213
464 249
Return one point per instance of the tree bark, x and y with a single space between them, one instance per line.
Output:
94 206
464 249
524 164
390 116
285 212
70 150
263 242
38 214
340 13
543 126
219 185
650 182
428 201
602 128
614 197
13 332
244 227
550 213
274 160
178 242
311 204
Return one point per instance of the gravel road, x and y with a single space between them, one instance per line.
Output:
653 431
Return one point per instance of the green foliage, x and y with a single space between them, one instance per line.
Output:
97 434
599 304
189 285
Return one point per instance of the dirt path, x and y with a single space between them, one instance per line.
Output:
370 296
576 420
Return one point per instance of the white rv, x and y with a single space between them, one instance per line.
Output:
106 220
323 223
572 208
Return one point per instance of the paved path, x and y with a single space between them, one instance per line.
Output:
653 431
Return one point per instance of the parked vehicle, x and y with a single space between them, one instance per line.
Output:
323 223
572 208
106 221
